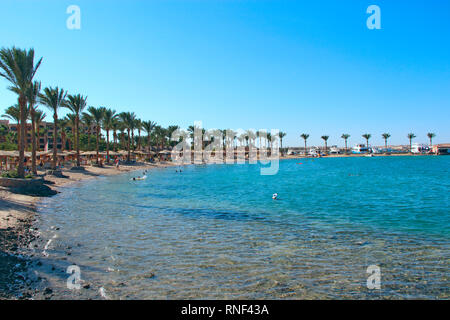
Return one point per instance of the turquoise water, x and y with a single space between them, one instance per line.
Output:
213 231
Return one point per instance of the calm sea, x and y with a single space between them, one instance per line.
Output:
214 231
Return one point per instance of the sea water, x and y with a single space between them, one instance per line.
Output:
214 231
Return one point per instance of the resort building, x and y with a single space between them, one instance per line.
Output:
443 148
45 134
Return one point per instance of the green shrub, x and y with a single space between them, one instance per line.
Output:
13 174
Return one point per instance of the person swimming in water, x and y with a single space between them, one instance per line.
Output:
275 196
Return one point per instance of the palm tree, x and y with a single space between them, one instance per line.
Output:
88 121
282 135
63 123
122 129
97 117
19 69
133 125
430 136
269 140
345 136
138 126
325 138
367 137
54 99
39 117
33 97
305 137
115 127
108 121
72 124
148 127
385 136
128 119
410 137
77 103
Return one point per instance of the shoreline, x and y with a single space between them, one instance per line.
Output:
18 215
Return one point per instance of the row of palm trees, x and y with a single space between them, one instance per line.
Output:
244 139
367 136
19 68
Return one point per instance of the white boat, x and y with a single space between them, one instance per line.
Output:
360 148
334 150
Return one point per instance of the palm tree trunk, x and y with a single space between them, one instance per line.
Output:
23 118
129 151
63 139
346 146
97 140
139 139
107 145
149 147
385 144
305 147
115 141
55 140
33 142
77 129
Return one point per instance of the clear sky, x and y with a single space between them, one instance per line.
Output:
298 66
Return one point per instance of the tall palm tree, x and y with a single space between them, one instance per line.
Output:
54 99
39 117
325 138
367 137
385 136
71 134
430 136
115 127
109 117
128 119
17 66
97 117
33 96
148 127
122 129
269 140
345 136
282 135
13 113
88 122
410 137
133 124
76 104
138 126
305 137
63 123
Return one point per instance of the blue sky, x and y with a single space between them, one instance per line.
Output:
298 66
